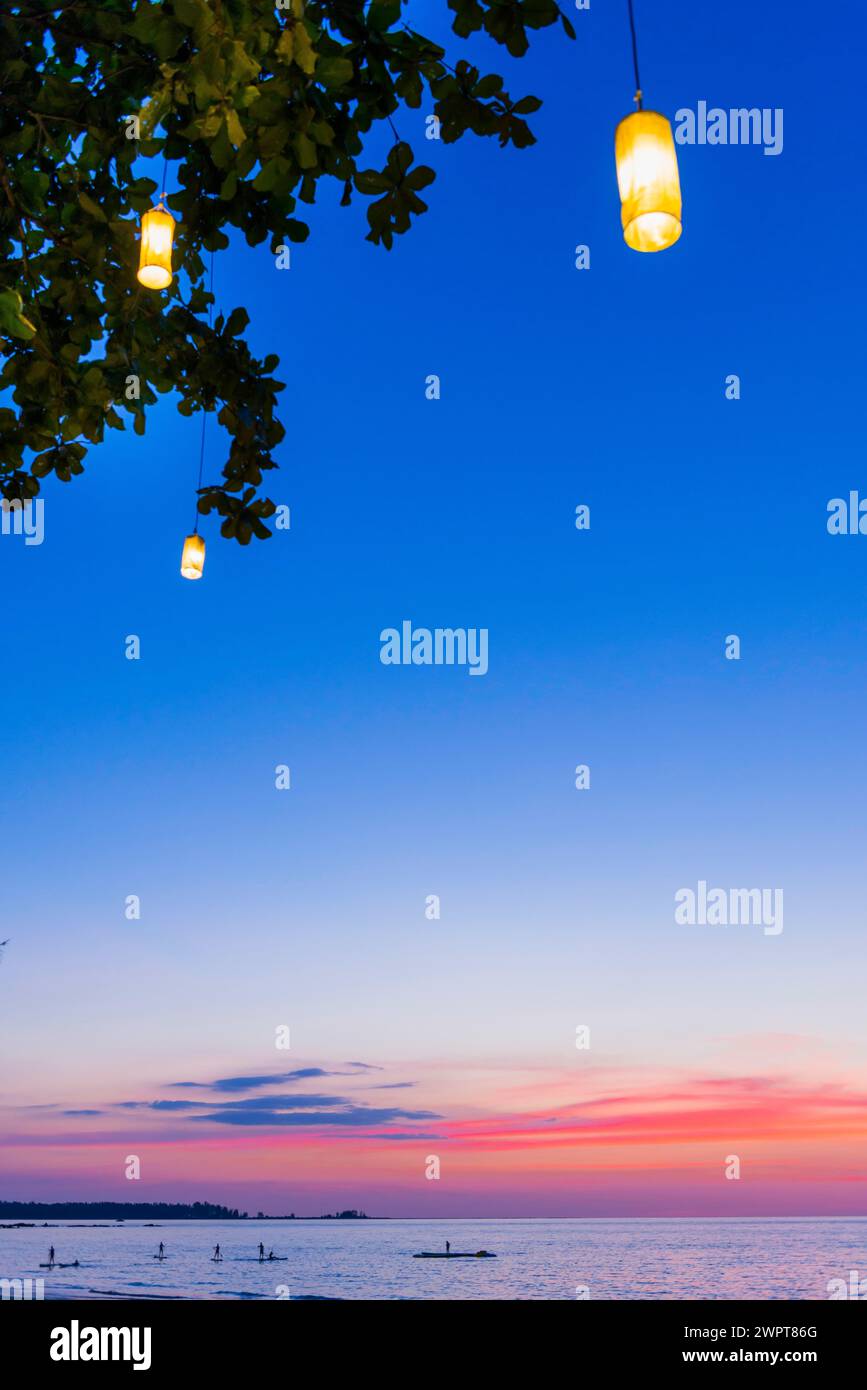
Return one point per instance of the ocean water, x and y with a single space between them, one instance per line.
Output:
536 1259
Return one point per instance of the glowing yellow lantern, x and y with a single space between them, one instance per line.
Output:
193 558
155 261
650 202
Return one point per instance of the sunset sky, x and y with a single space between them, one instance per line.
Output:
261 908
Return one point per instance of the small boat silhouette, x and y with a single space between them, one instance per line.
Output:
455 1255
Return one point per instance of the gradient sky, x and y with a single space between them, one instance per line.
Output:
306 908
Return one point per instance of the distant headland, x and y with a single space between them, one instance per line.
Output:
349 1215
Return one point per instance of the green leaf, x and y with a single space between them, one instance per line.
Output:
420 177
236 323
305 151
12 320
285 48
43 464
229 186
234 129
334 71
273 174
189 12
371 181
305 54
382 14
91 208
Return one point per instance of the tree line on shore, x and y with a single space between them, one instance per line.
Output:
118 1211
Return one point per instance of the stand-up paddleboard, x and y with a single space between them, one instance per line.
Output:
455 1255
58 1264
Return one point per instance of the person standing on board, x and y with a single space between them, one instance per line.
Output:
217 1255
261 1251
448 1246
162 1250
51 1255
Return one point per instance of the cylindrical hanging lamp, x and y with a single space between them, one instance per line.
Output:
155 260
650 202
193 558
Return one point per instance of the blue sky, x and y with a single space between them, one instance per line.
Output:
558 387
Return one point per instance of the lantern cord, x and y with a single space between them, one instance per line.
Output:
204 412
166 143
638 93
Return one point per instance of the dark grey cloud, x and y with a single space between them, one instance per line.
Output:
252 1103
352 1116
252 1083
297 1109
281 1110
300 1102
164 1104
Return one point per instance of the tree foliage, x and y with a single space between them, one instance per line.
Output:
251 103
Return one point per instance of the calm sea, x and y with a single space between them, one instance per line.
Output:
628 1259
